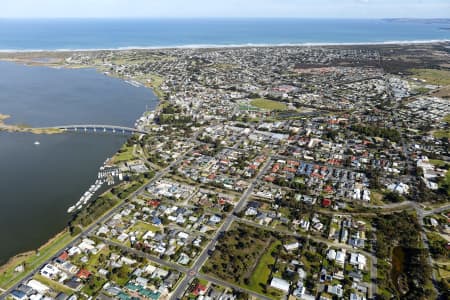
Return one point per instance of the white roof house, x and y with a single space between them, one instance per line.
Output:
340 257
359 260
37 286
434 222
331 254
122 237
280 284
300 290
36 297
86 245
74 251
400 188
150 269
335 290
49 271
292 246
183 235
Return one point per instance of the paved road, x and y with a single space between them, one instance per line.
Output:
88 231
420 216
231 285
181 269
302 235
437 210
193 272
180 290
148 256
372 258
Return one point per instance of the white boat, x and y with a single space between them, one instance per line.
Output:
37 143
71 209
133 83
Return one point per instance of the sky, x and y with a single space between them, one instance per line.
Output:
224 8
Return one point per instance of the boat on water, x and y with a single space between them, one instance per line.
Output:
106 175
133 83
37 143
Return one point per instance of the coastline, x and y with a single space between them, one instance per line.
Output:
21 258
57 62
26 129
226 46
24 255
31 259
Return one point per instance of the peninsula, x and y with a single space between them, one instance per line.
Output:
24 128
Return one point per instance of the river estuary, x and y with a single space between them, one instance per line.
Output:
39 182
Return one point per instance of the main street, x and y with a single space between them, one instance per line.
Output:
421 214
88 230
181 269
194 271
181 288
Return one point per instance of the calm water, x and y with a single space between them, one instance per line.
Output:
41 96
114 33
39 183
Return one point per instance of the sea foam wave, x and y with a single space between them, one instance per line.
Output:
205 46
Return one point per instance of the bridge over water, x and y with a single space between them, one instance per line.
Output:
96 128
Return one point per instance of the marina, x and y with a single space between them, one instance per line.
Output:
62 170
106 177
133 83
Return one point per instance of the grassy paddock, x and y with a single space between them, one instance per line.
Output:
268 104
32 260
262 271
124 154
432 76
439 163
143 227
439 134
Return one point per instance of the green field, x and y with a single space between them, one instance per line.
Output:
268 104
446 119
94 285
143 227
124 154
439 163
431 76
32 260
243 256
262 271
443 270
446 182
156 83
439 134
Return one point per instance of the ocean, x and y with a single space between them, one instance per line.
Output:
78 34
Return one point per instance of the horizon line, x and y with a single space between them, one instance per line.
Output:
222 17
